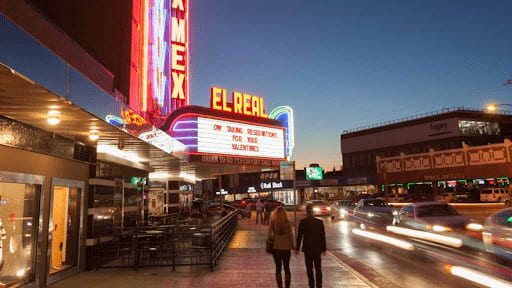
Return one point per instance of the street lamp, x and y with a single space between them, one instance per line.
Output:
493 107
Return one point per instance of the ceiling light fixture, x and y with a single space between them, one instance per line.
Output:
53 117
94 135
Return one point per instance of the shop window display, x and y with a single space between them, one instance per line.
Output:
19 211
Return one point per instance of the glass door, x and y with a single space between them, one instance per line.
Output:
65 219
19 219
65 227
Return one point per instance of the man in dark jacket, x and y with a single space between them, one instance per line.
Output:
312 229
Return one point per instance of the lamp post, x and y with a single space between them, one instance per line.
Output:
494 107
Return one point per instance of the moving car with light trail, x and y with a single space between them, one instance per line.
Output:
497 233
320 208
373 212
341 209
433 216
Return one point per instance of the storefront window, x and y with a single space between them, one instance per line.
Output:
64 229
285 196
19 212
479 127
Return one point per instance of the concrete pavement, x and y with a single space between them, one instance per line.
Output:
244 264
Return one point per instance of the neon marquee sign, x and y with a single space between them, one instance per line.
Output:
159 71
241 103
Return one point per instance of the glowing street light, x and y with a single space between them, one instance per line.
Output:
494 107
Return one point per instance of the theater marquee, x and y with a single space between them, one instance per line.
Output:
239 139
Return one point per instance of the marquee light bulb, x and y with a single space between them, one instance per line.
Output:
53 117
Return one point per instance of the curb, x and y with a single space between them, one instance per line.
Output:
353 271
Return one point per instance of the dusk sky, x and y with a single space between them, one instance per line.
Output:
345 64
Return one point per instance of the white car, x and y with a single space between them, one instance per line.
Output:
495 195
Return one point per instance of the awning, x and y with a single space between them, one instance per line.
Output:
23 100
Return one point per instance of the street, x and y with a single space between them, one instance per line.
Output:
388 266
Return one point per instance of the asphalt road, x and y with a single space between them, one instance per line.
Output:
385 265
388 266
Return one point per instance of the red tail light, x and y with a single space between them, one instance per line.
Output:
243 202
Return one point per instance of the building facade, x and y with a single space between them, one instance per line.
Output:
442 130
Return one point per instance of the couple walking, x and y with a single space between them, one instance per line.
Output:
280 240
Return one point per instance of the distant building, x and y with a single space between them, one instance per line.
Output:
441 130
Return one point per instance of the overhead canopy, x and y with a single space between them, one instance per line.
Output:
25 101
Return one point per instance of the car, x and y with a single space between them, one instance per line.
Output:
397 198
320 208
341 209
497 233
495 195
373 212
447 197
463 197
431 216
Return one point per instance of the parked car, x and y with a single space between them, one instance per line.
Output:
320 208
397 198
433 216
447 197
463 197
419 197
342 209
373 212
495 195
497 233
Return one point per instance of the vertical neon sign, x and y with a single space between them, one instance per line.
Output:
159 52
179 54
159 72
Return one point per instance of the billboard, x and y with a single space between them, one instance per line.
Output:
314 173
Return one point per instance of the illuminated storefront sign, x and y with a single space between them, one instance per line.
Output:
241 103
273 185
232 138
160 139
159 72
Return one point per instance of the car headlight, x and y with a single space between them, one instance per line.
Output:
370 214
316 209
439 228
475 227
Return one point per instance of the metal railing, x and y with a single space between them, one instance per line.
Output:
167 245
422 115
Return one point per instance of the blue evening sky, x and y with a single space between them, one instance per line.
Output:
343 64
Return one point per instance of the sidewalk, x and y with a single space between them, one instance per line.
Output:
244 264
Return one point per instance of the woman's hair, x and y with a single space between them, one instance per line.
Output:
281 222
